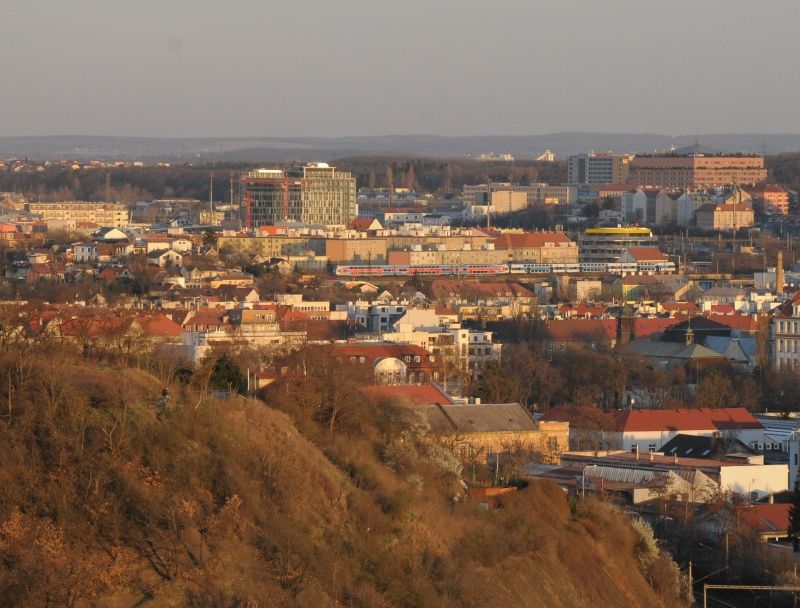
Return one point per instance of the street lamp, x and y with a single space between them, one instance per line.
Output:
583 478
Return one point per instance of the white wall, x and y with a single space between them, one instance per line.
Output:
659 438
764 479
794 457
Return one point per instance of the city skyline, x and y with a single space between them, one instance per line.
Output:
349 68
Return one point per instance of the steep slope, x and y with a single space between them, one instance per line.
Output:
227 504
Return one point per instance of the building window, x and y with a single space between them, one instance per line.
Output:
651 448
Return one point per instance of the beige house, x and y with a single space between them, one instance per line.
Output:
481 433
364 251
725 216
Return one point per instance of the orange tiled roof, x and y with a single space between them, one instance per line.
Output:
581 330
415 394
646 254
520 240
628 421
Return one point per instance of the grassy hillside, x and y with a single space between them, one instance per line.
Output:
229 504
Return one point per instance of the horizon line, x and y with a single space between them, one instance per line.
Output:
387 135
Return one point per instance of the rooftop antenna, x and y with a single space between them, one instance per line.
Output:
764 147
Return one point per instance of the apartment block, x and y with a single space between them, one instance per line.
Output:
598 168
695 170
102 214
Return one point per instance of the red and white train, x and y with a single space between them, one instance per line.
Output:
427 270
467 270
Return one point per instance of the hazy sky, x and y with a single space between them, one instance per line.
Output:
370 67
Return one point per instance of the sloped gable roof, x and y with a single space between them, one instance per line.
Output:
484 418
646 254
687 419
581 330
415 394
767 519
522 240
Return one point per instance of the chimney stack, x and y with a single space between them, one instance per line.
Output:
779 279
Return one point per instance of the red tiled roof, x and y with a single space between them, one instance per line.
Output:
379 351
722 309
519 240
763 188
415 394
583 310
744 323
646 254
292 315
785 309
629 421
90 327
361 224
445 287
767 519
647 327
687 419
206 317
159 326
581 330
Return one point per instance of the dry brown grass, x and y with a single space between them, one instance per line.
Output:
237 503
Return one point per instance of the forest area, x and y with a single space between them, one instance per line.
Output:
441 176
784 169
131 184
539 378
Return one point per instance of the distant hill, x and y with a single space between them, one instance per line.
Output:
307 148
